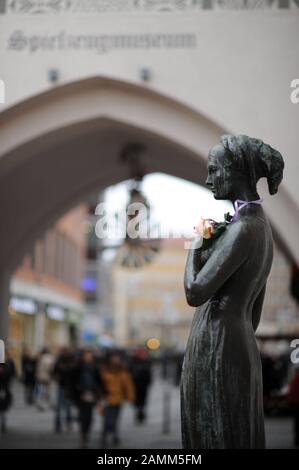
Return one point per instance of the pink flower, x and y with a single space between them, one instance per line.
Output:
205 228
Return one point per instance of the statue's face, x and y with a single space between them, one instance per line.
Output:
221 175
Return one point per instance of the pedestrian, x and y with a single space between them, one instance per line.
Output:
142 377
28 376
293 397
87 388
119 387
63 370
44 373
7 373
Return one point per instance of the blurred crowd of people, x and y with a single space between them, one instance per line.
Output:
86 381
89 382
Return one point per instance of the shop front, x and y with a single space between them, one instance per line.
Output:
22 312
56 327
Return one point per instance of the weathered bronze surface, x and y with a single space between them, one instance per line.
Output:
221 385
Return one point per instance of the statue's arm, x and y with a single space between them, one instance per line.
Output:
190 271
257 308
195 261
196 258
223 262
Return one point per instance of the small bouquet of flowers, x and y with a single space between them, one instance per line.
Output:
208 230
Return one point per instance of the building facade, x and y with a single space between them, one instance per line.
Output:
96 284
46 303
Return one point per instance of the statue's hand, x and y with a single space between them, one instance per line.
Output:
201 257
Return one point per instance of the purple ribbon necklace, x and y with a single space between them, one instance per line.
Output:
239 204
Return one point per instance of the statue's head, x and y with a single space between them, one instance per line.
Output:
239 161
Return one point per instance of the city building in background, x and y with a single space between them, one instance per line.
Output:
96 284
46 303
149 302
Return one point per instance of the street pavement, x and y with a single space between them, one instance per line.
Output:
29 428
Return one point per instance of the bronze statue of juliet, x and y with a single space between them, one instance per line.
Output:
221 384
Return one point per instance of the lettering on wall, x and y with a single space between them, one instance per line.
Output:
99 43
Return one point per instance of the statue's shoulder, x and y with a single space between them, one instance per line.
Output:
247 228
240 232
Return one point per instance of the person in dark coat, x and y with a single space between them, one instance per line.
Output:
7 373
293 397
87 389
29 376
142 377
63 370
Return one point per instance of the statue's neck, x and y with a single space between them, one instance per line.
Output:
245 195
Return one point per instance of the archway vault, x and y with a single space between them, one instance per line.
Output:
57 147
